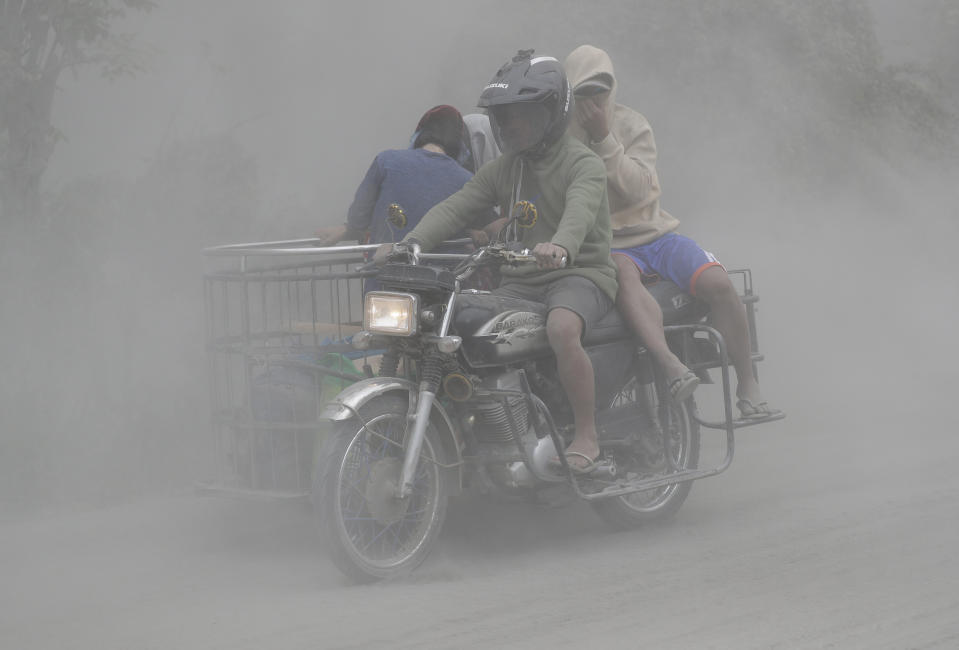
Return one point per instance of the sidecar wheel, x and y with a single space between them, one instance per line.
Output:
633 510
370 534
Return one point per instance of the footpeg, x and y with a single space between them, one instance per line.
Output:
605 468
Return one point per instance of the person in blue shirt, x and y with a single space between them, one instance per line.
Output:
401 185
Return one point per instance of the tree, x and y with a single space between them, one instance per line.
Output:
39 40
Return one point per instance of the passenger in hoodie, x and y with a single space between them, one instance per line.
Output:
401 185
482 144
645 244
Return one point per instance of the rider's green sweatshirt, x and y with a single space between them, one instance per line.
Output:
566 186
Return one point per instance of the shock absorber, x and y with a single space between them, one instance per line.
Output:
431 373
646 390
389 363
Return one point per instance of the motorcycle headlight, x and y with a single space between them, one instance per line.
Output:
386 312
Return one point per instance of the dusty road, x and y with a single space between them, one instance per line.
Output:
836 532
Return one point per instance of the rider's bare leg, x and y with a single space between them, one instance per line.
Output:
729 317
565 329
645 317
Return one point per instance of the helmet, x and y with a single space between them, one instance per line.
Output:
529 103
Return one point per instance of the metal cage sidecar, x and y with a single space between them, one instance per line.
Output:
278 316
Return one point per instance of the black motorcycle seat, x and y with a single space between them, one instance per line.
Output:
473 310
678 307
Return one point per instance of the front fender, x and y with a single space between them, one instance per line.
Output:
353 397
359 393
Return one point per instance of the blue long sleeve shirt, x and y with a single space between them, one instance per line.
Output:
414 179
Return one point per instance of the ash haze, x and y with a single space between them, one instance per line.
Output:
815 143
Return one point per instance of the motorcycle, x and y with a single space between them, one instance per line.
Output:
467 398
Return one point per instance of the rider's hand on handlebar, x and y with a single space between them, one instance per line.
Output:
479 237
382 254
387 252
550 256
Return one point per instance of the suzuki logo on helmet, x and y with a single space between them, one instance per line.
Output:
496 86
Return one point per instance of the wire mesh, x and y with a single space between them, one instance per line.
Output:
278 330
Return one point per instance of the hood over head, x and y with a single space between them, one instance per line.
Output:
482 146
590 70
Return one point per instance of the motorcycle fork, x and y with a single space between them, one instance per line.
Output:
418 414
418 419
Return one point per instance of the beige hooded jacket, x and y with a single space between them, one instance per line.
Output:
629 153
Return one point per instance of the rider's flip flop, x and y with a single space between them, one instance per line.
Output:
682 388
752 411
579 469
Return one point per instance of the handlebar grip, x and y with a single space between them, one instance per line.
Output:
526 255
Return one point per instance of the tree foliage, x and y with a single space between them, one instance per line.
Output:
39 41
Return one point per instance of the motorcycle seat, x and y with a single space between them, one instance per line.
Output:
678 307
474 310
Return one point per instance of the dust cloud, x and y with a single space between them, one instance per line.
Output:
788 144
815 143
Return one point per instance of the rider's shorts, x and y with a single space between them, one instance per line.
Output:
672 256
574 292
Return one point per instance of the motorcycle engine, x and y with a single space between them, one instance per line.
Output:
498 415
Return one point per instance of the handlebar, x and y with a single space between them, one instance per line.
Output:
491 253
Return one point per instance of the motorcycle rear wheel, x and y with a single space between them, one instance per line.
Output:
371 535
633 510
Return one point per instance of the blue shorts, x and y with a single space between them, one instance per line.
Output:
672 256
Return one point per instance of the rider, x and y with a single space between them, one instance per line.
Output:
644 242
402 184
559 187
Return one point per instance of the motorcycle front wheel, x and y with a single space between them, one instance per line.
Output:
371 534
681 442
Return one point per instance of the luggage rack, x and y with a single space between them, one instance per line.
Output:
703 348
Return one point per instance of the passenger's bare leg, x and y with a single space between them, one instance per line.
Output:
565 329
645 317
729 317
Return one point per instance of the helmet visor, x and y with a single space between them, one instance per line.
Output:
519 127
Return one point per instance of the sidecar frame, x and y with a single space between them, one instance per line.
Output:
279 315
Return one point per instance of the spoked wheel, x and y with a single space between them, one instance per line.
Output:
370 533
681 442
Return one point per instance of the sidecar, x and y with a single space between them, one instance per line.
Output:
279 317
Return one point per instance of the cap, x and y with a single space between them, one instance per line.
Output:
594 86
